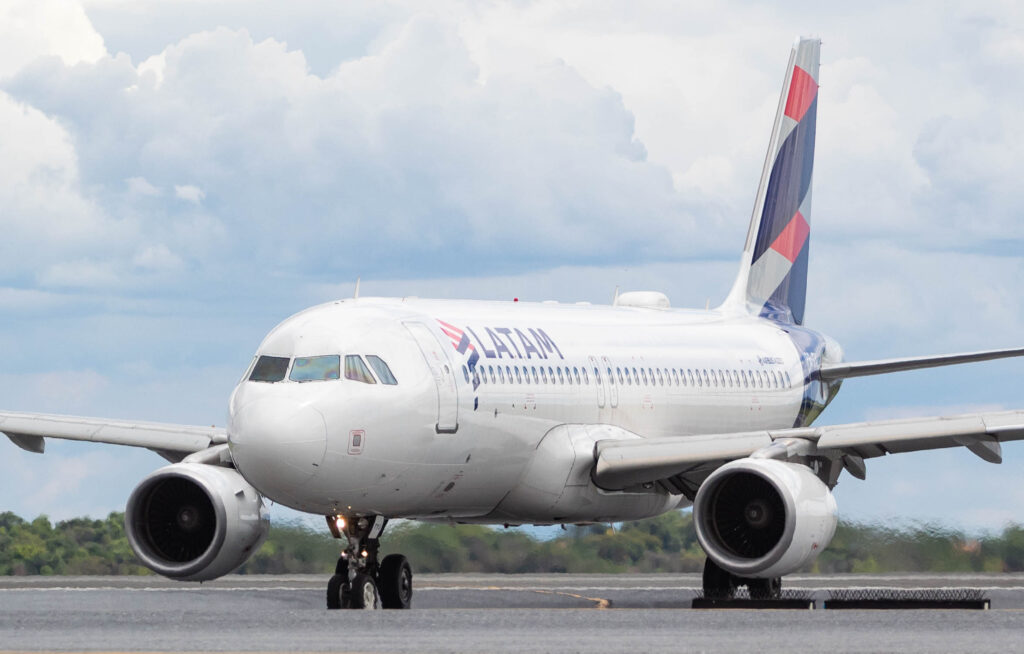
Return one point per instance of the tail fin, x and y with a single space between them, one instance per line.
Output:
772 281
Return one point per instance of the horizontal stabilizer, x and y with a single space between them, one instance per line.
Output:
831 372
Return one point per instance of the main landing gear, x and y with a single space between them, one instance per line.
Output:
721 584
360 581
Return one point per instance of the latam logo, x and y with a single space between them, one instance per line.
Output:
503 342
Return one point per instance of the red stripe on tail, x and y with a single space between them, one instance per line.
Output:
802 91
792 239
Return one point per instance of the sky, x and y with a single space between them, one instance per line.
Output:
178 177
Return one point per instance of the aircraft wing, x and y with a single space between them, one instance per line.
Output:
29 431
683 462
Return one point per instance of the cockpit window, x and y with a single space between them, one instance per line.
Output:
356 370
381 368
269 369
321 368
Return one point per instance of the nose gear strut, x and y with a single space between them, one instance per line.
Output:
360 581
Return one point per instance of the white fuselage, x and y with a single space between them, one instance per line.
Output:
480 385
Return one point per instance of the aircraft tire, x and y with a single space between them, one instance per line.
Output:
718 583
765 588
395 581
364 594
338 592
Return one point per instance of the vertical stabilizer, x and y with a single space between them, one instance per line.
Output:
772 281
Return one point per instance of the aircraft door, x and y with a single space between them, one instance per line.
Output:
443 371
613 390
598 381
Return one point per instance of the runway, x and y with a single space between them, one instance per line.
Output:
494 613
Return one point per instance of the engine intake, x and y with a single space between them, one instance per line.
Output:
764 518
195 522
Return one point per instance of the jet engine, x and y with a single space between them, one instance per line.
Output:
764 518
195 522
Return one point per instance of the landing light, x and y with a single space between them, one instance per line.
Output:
340 522
365 554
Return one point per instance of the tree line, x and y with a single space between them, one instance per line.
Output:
668 543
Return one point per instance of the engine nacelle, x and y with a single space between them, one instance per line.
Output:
195 522
763 517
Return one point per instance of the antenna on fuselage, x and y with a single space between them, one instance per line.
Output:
615 298
356 295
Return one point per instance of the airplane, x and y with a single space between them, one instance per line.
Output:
365 410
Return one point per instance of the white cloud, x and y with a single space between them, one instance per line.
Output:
35 28
189 193
81 273
141 186
72 390
156 257
532 164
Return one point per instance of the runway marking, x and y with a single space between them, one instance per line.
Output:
599 603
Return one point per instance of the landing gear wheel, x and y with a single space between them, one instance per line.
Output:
765 588
338 592
364 593
395 581
718 583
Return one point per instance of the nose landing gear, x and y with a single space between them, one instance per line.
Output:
360 581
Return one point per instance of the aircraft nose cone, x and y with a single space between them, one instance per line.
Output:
277 444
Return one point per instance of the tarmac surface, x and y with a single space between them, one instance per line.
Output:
490 613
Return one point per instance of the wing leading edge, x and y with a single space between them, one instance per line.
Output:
620 465
29 431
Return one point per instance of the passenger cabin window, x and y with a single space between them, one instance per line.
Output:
321 368
356 370
269 369
382 369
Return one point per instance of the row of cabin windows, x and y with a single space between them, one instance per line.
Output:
625 376
322 368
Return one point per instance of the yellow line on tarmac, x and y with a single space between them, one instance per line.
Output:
599 602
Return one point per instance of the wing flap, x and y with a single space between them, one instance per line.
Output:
27 430
620 465
899 436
